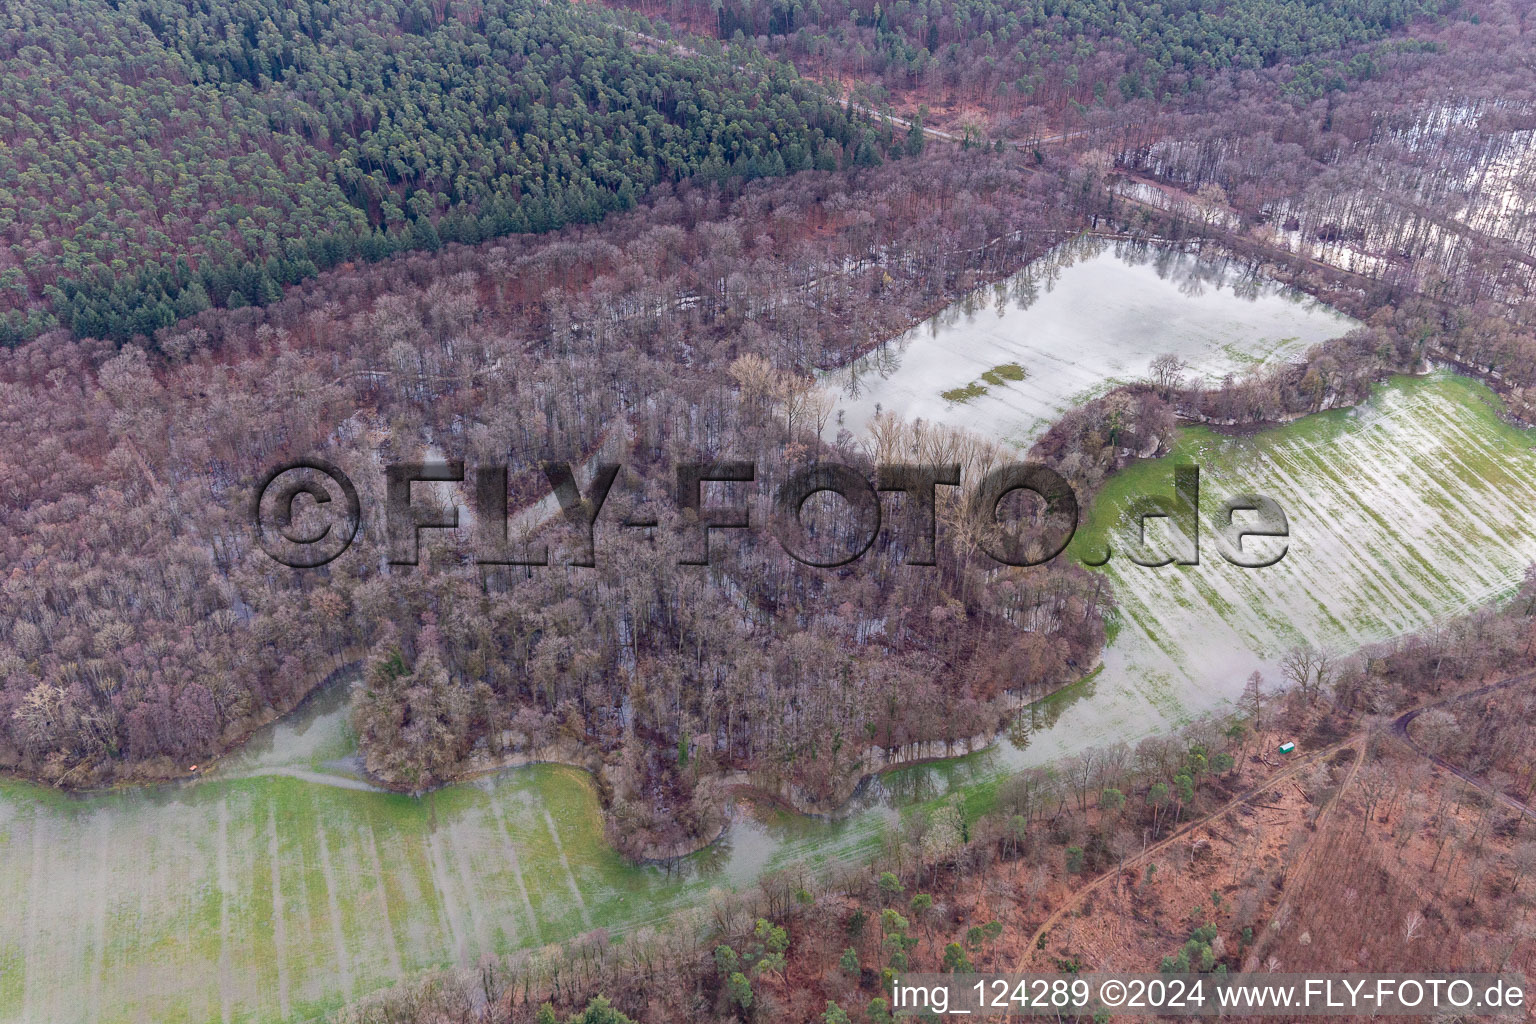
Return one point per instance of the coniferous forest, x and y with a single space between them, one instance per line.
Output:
654 233
162 158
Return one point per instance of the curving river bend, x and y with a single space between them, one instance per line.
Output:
281 887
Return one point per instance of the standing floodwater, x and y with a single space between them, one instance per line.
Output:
1008 359
283 887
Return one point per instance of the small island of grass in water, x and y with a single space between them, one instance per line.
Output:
996 376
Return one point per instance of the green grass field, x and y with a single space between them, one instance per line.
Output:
1417 505
257 896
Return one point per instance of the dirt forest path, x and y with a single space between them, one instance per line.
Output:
1269 783
1305 859
684 50
1400 729
1034 145
1359 740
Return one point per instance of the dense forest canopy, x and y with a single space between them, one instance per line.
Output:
157 157
161 157
1420 178
146 637
1053 52
224 228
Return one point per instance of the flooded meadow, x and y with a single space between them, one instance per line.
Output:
282 886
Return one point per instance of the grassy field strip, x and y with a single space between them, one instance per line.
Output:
257 898
266 898
1415 508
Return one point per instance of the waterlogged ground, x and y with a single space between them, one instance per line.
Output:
283 886
280 887
1413 507
1010 358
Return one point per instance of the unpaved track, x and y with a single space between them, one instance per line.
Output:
1182 832
1359 740
1402 722
684 50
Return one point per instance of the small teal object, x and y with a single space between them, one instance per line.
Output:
1287 747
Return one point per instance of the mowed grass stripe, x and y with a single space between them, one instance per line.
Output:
1411 509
